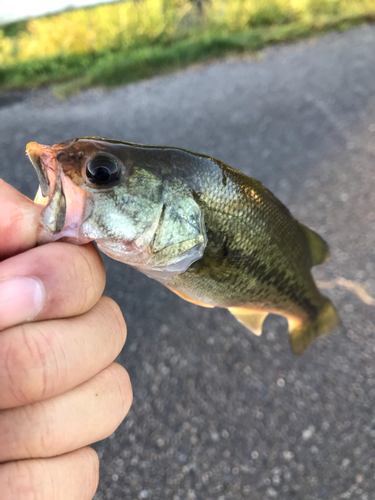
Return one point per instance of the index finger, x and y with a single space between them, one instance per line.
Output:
18 221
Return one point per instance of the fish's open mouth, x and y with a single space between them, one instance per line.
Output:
65 202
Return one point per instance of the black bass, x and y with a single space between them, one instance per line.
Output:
211 234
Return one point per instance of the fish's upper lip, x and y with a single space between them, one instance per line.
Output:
39 156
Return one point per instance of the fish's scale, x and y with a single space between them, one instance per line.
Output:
256 251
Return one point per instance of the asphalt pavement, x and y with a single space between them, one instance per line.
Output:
219 414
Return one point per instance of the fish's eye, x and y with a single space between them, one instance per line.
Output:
102 170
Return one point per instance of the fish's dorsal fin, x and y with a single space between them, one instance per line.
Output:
318 247
253 320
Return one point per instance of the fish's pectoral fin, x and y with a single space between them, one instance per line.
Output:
301 333
253 320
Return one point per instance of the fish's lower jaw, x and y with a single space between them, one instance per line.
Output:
68 235
46 236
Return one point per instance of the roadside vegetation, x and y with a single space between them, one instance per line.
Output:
126 41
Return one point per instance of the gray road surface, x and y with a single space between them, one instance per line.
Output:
219 414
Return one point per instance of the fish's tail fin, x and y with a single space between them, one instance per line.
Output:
301 334
318 247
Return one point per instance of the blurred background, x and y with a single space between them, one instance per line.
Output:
121 42
285 92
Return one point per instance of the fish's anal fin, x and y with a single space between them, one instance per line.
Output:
302 333
252 320
187 298
318 247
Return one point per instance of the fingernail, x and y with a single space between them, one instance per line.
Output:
21 299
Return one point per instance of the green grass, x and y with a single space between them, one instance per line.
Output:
120 64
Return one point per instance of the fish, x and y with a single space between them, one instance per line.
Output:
211 234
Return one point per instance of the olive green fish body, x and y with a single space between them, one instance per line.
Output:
208 232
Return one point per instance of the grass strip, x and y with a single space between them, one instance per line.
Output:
111 67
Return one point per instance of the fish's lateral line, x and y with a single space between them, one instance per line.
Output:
349 285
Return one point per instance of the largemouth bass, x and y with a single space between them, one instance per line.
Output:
211 234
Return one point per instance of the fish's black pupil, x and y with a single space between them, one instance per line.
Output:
102 174
102 170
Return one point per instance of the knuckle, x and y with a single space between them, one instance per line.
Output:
91 268
58 478
113 315
41 439
124 389
90 465
118 382
33 362
19 481
27 363
30 432
79 273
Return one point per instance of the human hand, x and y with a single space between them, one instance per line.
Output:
59 388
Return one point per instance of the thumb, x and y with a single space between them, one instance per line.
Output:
18 221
